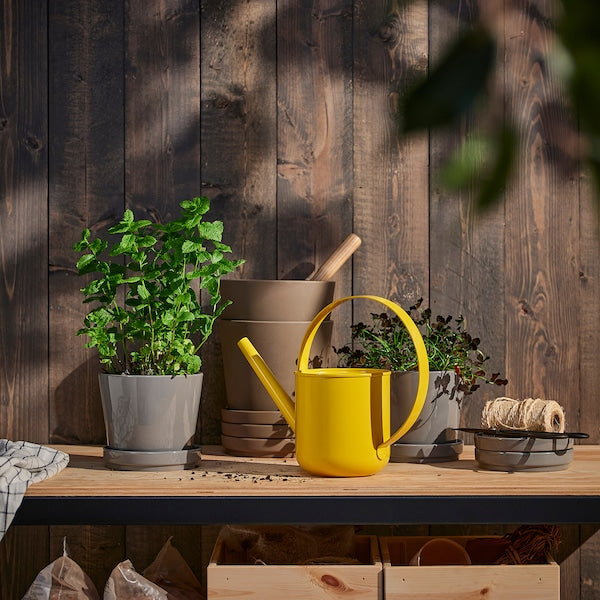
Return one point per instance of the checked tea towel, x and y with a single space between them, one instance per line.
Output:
21 464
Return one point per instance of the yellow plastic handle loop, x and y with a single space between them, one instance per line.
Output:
415 334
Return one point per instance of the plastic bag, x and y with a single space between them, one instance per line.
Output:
125 583
171 572
62 579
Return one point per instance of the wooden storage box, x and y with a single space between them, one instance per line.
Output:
228 580
451 582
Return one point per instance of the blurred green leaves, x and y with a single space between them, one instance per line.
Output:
453 86
457 88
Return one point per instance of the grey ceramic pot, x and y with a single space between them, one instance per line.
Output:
150 412
436 424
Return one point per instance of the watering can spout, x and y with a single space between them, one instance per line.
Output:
273 387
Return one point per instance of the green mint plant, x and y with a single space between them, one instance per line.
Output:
147 319
386 344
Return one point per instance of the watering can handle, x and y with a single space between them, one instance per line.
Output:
415 334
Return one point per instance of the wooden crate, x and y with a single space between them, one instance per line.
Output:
227 580
489 582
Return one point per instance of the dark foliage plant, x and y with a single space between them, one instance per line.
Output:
386 344
147 318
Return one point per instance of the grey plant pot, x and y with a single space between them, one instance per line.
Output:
150 412
433 435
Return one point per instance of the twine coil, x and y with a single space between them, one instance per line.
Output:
533 414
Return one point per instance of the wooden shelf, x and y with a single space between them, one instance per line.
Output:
226 489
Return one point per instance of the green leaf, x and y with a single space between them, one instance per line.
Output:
143 292
127 245
211 231
83 243
86 264
453 85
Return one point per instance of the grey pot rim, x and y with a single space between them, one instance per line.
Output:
155 376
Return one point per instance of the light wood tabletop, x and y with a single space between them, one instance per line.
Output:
226 488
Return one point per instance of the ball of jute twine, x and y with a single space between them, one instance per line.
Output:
533 414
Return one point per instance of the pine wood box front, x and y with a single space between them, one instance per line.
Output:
451 582
296 582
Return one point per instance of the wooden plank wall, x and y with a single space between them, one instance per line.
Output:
284 114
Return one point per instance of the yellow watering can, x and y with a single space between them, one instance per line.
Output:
341 417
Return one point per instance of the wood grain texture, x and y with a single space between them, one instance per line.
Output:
542 229
86 190
221 474
391 198
466 270
23 221
23 554
162 106
238 118
587 417
239 146
590 559
284 114
314 138
542 233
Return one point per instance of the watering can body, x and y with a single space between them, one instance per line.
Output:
341 417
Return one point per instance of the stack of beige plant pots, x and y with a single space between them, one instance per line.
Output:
274 315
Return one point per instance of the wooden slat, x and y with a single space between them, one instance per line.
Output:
467 246
23 221
86 190
162 108
391 176
238 120
314 139
23 554
542 230
590 559
235 476
542 234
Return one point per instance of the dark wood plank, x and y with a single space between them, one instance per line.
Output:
162 106
239 145
467 246
542 230
391 188
238 118
23 222
314 144
587 417
590 559
541 267
23 554
86 190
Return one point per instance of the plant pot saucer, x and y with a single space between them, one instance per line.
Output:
426 453
256 417
258 447
523 461
152 460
